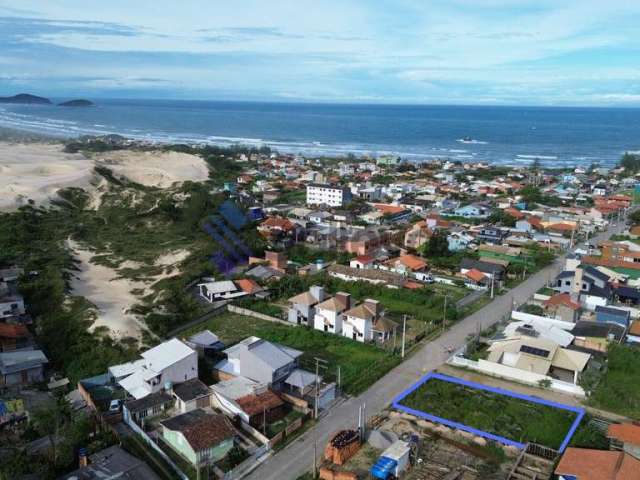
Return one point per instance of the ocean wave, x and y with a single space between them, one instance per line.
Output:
471 141
538 157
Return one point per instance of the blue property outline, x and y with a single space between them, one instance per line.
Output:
446 378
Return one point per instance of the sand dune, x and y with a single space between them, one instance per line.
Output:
155 169
37 171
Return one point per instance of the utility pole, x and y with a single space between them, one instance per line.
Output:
317 393
493 276
404 331
444 313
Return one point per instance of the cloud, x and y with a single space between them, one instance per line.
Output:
482 50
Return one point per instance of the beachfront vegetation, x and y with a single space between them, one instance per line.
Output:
129 229
508 417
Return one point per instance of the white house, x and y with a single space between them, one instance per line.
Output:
169 363
329 314
358 321
222 290
333 196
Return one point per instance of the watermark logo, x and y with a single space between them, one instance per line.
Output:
224 227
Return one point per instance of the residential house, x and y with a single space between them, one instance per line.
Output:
201 438
221 290
22 367
492 270
417 235
11 304
476 279
329 313
362 261
14 337
596 336
205 343
459 241
491 234
260 407
562 307
361 321
302 307
169 363
191 395
587 464
278 230
613 315
258 360
365 242
540 356
406 264
625 437
143 409
111 463
471 211
529 224
591 285
248 400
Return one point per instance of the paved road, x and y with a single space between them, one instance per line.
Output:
297 458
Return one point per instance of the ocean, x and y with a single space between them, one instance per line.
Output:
558 136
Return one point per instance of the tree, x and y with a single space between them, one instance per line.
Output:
630 162
634 217
437 246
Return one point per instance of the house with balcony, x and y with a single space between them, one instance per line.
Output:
302 307
329 314
166 364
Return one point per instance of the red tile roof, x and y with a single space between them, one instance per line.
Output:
412 262
255 404
248 285
364 259
10 330
562 299
587 464
625 432
475 275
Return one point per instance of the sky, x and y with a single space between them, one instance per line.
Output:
485 52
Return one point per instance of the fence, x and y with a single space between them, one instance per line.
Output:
248 465
516 375
250 313
143 435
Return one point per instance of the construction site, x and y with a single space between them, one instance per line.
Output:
397 445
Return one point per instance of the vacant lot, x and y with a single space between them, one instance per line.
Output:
508 417
618 390
360 365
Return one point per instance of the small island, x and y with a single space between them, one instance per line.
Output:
77 103
26 98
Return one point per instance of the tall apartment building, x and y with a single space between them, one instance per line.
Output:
332 196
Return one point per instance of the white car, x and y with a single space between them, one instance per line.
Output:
115 405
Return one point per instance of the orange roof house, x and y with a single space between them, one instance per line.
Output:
515 213
625 433
476 275
562 299
587 464
249 286
412 262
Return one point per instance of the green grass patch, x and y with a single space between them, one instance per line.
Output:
501 415
361 364
618 388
